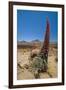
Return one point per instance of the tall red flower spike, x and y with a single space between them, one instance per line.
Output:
45 47
41 60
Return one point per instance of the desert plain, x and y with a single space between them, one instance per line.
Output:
24 52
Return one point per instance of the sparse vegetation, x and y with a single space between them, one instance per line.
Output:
30 68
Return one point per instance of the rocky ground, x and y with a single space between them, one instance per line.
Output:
23 63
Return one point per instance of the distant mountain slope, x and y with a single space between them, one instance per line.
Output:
37 41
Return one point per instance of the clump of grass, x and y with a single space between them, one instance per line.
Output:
26 66
36 74
56 59
49 74
19 65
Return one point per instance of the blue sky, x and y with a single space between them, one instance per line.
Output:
31 25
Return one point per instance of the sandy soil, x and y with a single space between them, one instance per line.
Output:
23 62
